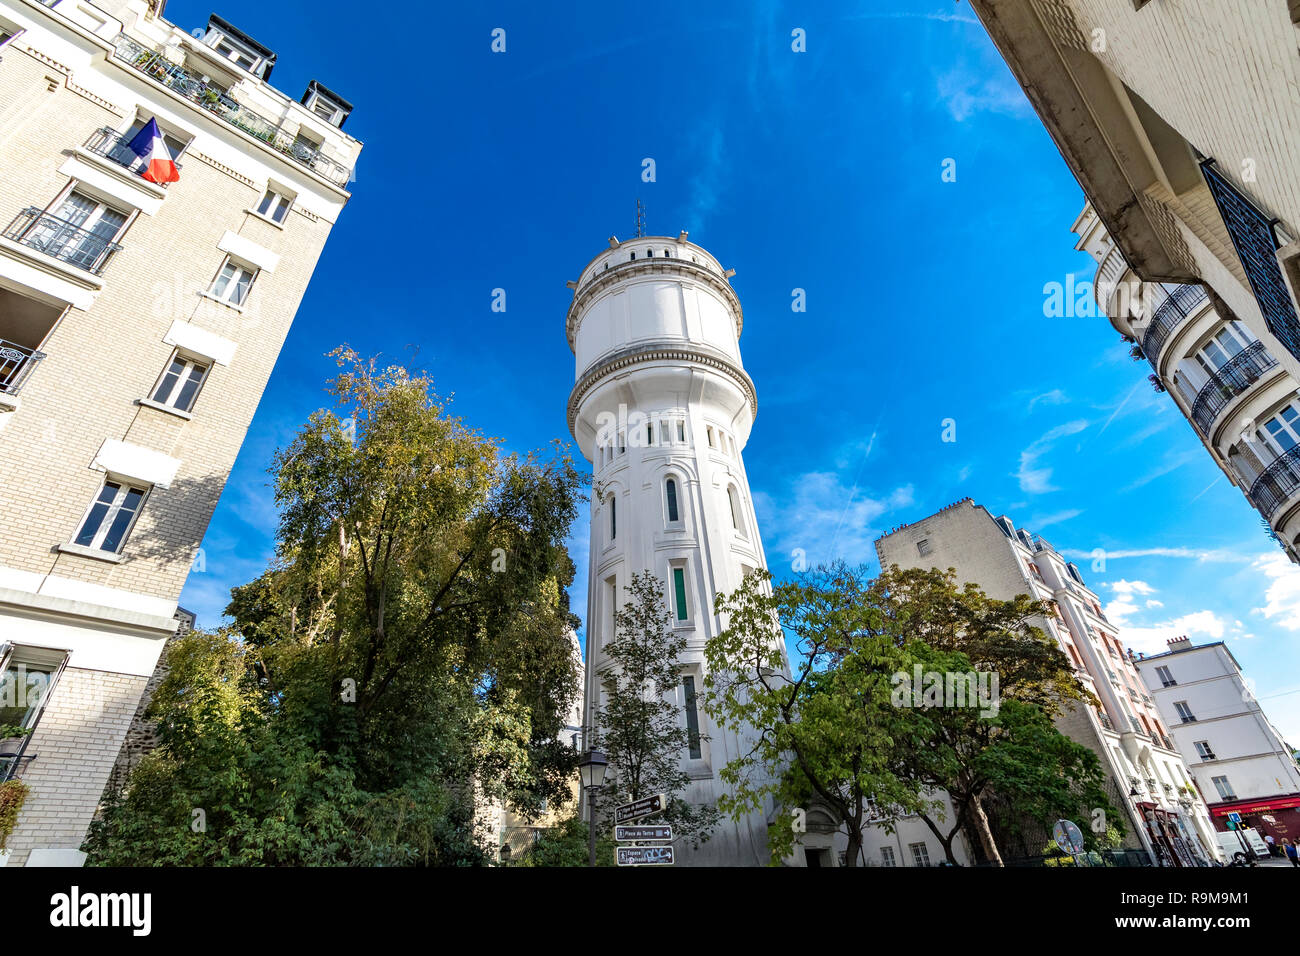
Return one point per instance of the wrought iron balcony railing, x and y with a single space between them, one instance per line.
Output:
217 101
61 239
1279 481
16 363
1244 370
115 147
1169 315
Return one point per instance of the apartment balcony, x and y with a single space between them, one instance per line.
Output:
1168 317
217 101
1244 370
16 364
113 146
1278 484
62 240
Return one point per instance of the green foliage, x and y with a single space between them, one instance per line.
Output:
408 653
826 731
566 845
836 732
638 726
13 794
13 730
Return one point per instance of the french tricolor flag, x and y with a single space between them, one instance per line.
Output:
149 145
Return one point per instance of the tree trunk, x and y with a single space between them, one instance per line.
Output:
981 823
855 846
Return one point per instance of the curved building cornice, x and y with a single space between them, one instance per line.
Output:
585 295
648 352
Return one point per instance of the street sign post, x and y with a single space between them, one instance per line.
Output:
1069 838
1234 817
645 807
652 833
645 856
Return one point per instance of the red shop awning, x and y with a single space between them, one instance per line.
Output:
1255 806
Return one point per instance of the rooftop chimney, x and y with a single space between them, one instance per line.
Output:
1179 643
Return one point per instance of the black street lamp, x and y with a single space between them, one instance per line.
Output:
592 773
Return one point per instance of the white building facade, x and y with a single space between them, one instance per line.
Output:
662 408
1179 121
1147 779
1239 760
1222 375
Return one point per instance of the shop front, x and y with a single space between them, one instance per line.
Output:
1171 840
1278 817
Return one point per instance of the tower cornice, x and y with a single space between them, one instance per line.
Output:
645 353
587 293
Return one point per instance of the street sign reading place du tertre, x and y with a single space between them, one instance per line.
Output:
645 856
655 832
644 807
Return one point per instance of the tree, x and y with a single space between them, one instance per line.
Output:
824 733
407 652
850 730
968 751
638 726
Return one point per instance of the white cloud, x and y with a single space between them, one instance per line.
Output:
1035 479
1198 554
1282 599
1042 521
825 519
966 92
1123 586
1152 638
1054 397
1172 464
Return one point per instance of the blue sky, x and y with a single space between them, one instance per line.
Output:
818 170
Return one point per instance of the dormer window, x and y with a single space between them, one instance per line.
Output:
326 104
236 56
232 44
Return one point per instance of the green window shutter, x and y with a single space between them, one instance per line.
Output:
679 587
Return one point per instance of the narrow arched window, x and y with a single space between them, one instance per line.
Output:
670 490
734 499
613 518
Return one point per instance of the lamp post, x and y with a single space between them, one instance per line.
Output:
592 773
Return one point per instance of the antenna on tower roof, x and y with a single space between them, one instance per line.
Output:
640 218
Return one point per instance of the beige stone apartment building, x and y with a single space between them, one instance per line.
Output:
1181 121
138 327
1147 779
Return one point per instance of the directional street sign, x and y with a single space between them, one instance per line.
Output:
657 832
645 856
1234 817
646 806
